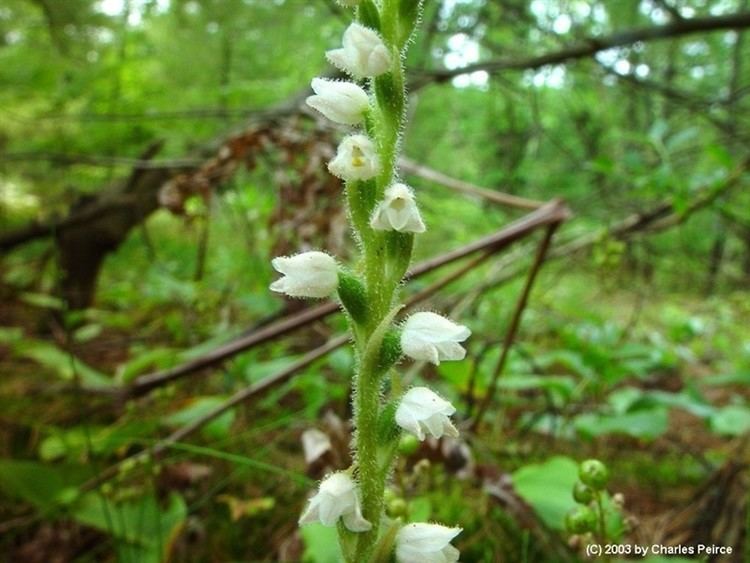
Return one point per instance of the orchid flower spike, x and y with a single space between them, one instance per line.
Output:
310 274
356 159
363 53
398 212
431 337
342 102
426 543
421 411
337 497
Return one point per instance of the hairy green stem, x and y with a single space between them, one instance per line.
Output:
386 257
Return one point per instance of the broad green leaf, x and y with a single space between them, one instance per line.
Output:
733 420
143 529
153 358
198 407
738 378
75 443
44 486
420 509
645 424
42 300
321 544
547 488
61 362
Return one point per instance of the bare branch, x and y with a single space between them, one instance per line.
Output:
593 45
552 213
427 173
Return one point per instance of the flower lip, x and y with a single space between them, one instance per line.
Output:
363 53
431 337
421 412
398 211
356 159
337 497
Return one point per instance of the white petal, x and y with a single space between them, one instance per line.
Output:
342 102
437 328
406 420
310 274
379 61
451 351
419 349
328 511
337 57
426 543
398 211
356 159
363 54
421 410
355 522
311 513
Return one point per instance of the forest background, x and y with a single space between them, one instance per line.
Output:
582 170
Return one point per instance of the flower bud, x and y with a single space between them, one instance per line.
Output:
421 411
582 494
408 444
342 102
310 274
426 543
593 473
356 159
396 507
580 520
337 497
618 499
398 211
431 337
363 53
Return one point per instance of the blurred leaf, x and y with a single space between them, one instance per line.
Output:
733 420
87 332
257 371
75 442
558 383
149 359
645 424
198 407
457 373
44 486
42 300
738 378
61 362
144 531
420 509
246 508
321 544
547 488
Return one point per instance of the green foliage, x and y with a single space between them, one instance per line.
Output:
44 486
198 407
142 529
321 544
546 487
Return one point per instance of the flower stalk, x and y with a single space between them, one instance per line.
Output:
384 218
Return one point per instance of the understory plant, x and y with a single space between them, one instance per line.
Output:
384 219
